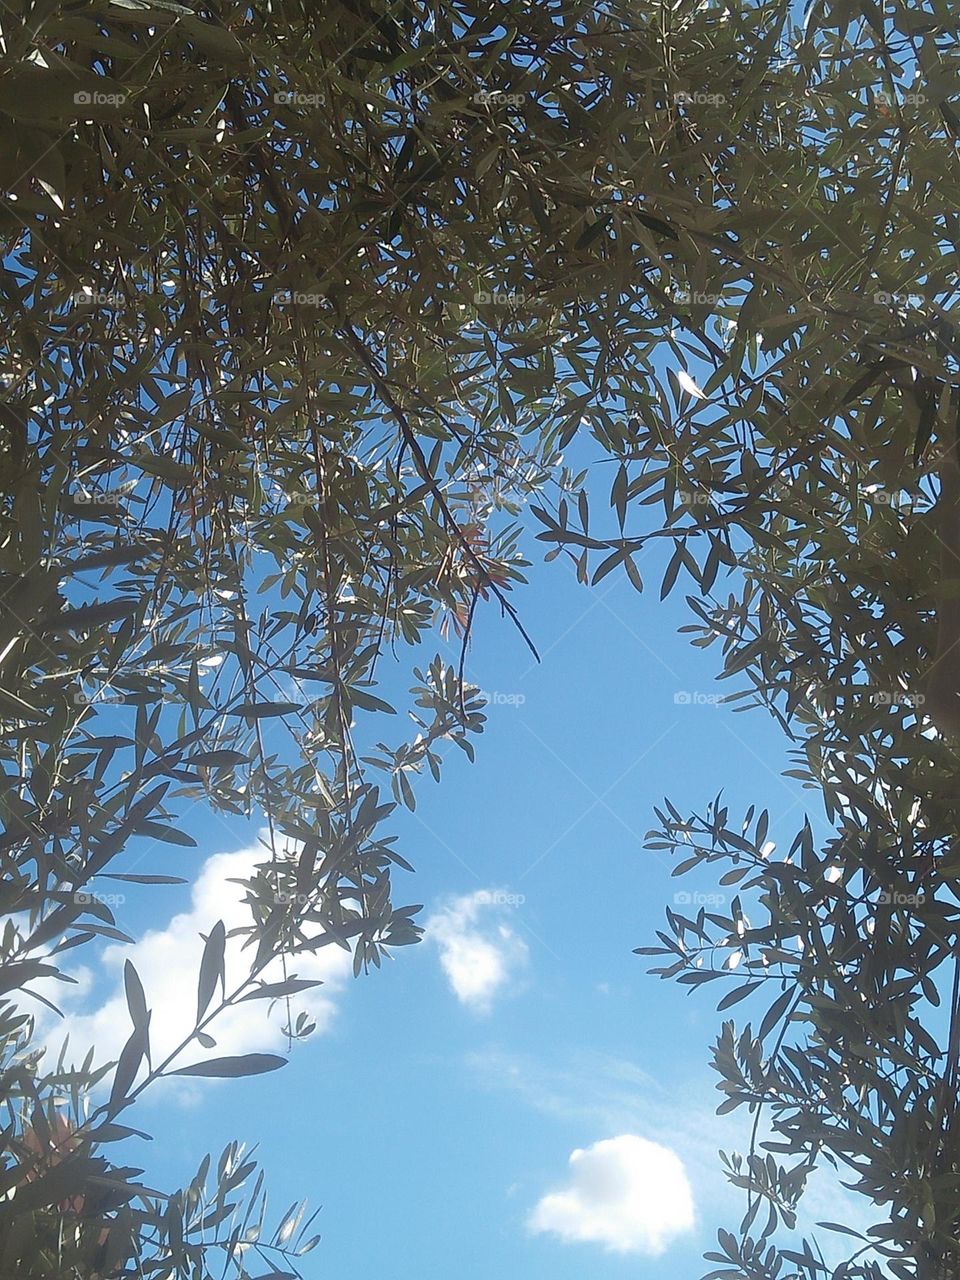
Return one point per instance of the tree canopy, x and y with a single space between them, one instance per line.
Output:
312 314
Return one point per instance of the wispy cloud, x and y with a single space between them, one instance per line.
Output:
479 952
626 1193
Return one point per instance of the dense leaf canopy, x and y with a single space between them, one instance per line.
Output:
301 305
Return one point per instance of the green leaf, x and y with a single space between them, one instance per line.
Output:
248 1064
367 702
131 1056
178 473
633 573
741 993
276 990
211 968
136 1000
406 791
259 710
776 1011
593 231
608 564
218 759
618 495
845 1231
673 568
89 616
131 878
168 835
653 223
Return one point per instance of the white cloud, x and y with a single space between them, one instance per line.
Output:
479 952
168 961
627 1194
614 1095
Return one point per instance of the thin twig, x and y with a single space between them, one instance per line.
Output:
423 470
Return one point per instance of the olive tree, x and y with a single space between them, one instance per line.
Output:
301 306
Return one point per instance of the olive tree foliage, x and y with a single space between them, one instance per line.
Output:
301 303
829 475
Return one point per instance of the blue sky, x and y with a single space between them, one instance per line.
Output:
434 1113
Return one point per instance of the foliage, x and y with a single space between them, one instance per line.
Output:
300 304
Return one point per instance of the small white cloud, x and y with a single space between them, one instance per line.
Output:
168 962
479 952
627 1194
